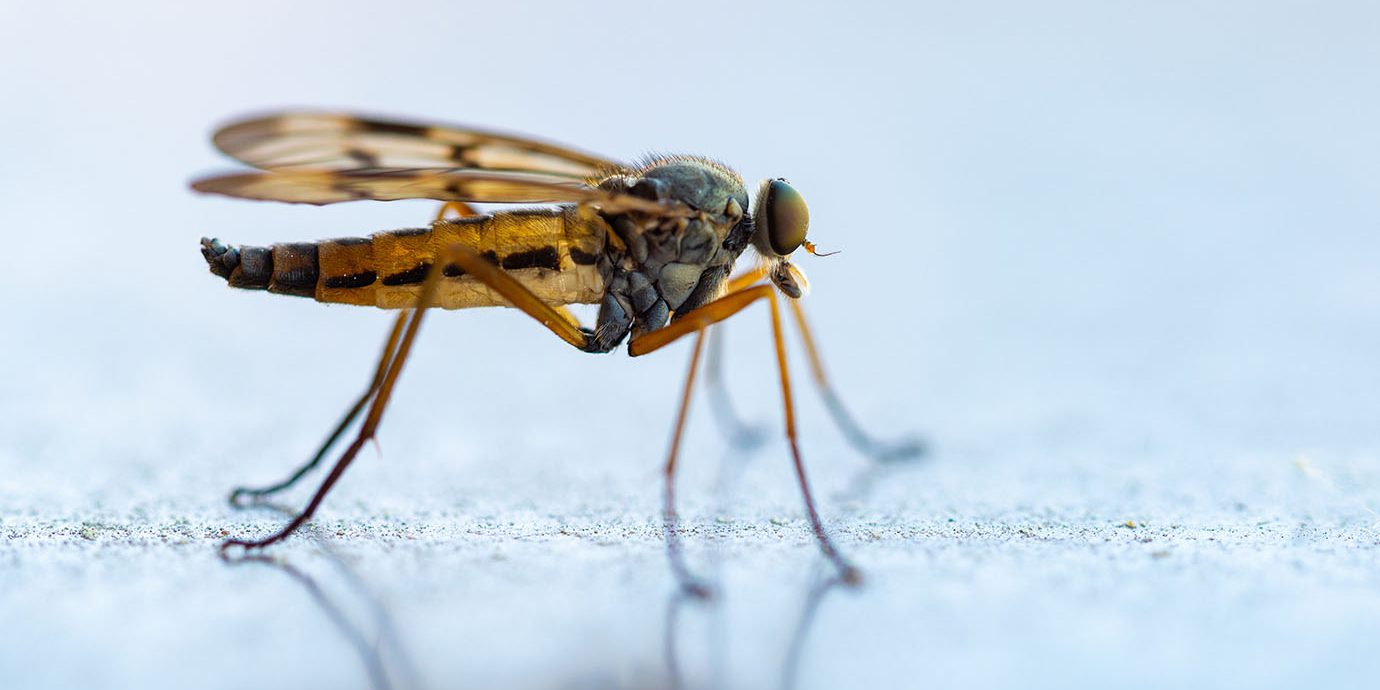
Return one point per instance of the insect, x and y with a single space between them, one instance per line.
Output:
653 244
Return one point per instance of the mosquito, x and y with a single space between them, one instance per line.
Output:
653 244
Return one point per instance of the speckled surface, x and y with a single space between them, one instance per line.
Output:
1117 267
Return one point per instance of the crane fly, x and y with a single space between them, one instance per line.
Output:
653 244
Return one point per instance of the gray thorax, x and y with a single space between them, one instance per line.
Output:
670 264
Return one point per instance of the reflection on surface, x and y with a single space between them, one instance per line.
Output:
731 467
680 601
790 669
696 650
675 677
386 663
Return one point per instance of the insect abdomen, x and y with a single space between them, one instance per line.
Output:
554 252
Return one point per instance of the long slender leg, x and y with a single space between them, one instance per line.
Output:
719 310
670 520
255 494
850 574
879 451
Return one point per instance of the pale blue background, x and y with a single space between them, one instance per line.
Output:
1116 260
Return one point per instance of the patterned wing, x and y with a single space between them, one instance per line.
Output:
330 187
337 141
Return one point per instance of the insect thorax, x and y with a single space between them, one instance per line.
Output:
665 266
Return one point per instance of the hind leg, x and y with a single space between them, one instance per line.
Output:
255 495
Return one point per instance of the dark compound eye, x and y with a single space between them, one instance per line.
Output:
787 217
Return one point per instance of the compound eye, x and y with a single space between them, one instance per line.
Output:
787 217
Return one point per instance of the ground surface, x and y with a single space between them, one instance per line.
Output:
1116 263
997 560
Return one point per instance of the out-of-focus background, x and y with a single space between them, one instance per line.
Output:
1115 261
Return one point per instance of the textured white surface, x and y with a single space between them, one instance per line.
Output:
1116 265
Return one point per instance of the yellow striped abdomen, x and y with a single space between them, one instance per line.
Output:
554 252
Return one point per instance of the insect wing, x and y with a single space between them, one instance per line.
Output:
330 187
332 141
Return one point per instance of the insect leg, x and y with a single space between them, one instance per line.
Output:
878 451
255 494
850 574
700 318
558 321
413 320
721 309
464 210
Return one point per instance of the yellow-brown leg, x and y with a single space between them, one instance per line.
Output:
714 312
462 210
558 320
876 450
703 317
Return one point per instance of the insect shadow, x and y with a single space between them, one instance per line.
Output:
386 662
